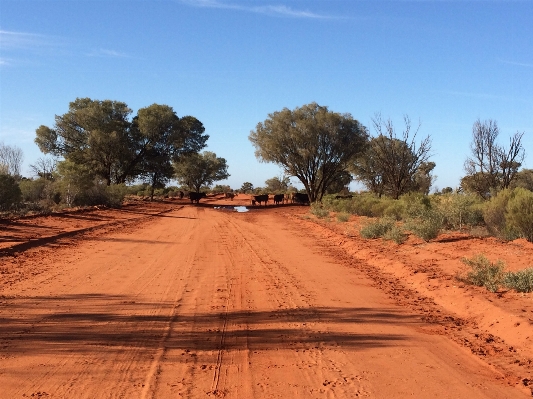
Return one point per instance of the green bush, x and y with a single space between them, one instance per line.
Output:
520 281
319 211
484 273
416 205
519 213
426 227
494 214
32 190
460 210
395 234
377 228
101 194
343 217
10 194
395 209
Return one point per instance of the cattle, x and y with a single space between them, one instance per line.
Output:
300 198
349 196
261 198
195 197
229 195
181 195
278 199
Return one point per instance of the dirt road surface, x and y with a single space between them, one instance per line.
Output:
184 301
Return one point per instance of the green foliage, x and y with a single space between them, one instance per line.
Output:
277 185
426 227
520 281
98 135
10 194
377 228
395 234
524 179
519 213
416 205
33 189
311 143
197 170
102 194
343 217
247 187
221 188
422 218
495 216
460 210
319 211
483 273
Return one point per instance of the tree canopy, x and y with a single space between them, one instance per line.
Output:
311 143
100 135
394 166
491 167
196 170
277 184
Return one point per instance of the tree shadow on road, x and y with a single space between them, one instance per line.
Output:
89 323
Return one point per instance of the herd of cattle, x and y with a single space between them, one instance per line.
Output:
295 198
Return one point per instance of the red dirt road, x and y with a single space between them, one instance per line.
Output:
181 301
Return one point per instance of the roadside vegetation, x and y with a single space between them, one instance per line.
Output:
481 272
97 154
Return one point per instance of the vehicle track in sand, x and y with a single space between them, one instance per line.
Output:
202 302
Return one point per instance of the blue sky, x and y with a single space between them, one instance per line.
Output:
231 62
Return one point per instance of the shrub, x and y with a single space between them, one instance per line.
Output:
10 194
416 205
319 211
495 218
459 210
101 194
395 234
395 209
32 190
426 227
377 229
520 281
519 213
343 217
484 273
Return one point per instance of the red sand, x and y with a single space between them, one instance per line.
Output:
169 299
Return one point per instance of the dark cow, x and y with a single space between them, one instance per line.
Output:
261 198
278 199
181 195
195 197
349 196
229 195
300 198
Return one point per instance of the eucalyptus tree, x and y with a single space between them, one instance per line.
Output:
392 165
92 133
99 135
310 143
11 158
161 138
491 167
196 170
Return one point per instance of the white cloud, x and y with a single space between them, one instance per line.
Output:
22 40
480 96
523 64
273 10
108 53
